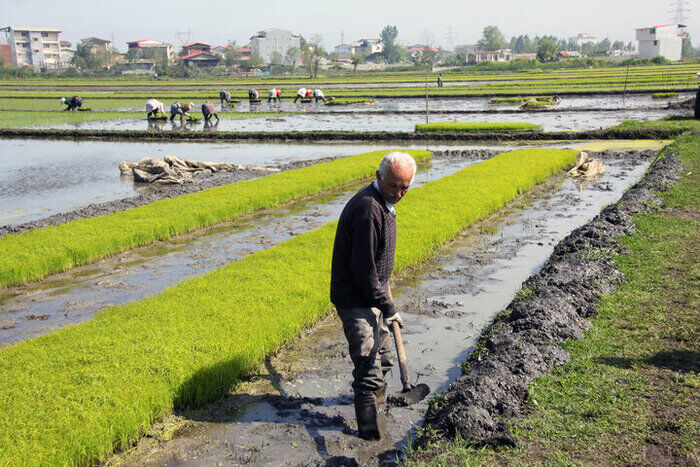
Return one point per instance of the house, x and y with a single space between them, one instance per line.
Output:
583 38
466 49
66 54
525 56
504 55
415 51
266 42
149 49
199 54
35 46
346 50
566 54
96 44
665 40
369 47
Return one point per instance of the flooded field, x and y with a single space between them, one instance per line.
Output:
549 121
302 396
80 293
42 178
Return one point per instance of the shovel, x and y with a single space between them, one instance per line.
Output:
410 393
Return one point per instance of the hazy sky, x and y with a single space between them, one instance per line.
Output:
215 22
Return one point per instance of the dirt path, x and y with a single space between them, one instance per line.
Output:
298 408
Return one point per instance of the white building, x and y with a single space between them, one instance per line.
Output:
504 55
665 40
67 54
150 49
264 43
369 47
346 50
583 38
33 46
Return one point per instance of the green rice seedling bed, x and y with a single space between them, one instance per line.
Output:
39 118
672 122
350 100
516 100
664 95
33 254
666 71
477 126
538 104
73 396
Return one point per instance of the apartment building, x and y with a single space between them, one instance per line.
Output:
32 46
264 43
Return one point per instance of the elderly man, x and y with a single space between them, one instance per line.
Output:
363 258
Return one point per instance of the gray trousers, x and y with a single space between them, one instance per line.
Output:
369 342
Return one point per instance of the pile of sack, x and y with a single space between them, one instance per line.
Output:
174 170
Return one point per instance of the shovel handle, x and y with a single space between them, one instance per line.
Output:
403 366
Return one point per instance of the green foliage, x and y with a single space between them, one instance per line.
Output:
477 126
388 37
492 39
351 100
509 100
547 50
674 122
73 396
33 254
664 95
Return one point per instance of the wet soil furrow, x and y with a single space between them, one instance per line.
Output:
524 342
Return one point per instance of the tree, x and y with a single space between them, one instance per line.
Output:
547 50
86 58
688 49
356 60
276 58
588 48
291 57
603 47
391 49
618 45
232 56
313 53
492 39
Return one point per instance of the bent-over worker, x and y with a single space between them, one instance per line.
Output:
318 95
252 95
301 94
153 107
180 109
209 111
274 95
363 258
224 96
73 103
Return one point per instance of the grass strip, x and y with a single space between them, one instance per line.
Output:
351 100
629 395
52 118
664 95
77 394
477 126
33 254
672 122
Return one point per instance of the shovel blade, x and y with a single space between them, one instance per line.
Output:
410 397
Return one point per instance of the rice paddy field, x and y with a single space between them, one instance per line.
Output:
165 324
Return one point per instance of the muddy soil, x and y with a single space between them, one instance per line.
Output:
525 341
297 409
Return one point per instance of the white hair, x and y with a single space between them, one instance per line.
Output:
396 157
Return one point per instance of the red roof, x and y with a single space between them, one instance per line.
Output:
195 54
192 43
659 26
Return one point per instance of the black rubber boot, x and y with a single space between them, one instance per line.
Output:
381 395
368 417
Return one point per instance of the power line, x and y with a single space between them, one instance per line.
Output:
680 11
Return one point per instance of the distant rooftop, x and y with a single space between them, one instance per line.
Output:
35 28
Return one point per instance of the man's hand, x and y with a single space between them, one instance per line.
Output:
395 317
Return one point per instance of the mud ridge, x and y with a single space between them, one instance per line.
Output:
524 341
286 136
